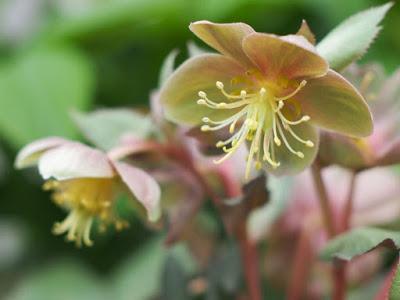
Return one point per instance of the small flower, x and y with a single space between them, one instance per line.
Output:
382 147
86 181
268 91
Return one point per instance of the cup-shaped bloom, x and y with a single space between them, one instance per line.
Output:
269 91
382 147
86 182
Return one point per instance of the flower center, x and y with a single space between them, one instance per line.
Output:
85 198
263 123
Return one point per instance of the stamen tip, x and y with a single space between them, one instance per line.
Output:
219 85
205 128
277 141
306 118
300 154
221 105
205 120
202 94
309 144
201 102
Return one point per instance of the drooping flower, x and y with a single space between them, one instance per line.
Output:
382 147
86 182
269 91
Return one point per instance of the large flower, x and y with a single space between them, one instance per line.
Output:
268 90
86 182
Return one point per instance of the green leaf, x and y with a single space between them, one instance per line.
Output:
173 280
105 127
359 241
167 67
351 39
37 90
395 288
62 281
139 276
194 50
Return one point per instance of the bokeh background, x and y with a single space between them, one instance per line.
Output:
57 56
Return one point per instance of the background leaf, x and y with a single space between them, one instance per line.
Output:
395 288
359 241
105 127
62 281
37 90
351 39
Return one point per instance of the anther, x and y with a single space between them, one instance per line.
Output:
243 93
201 102
219 144
202 94
219 85
277 141
306 118
300 154
262 91
205 120
205 128
309 144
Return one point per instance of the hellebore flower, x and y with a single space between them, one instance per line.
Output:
86 181
271 91
382 147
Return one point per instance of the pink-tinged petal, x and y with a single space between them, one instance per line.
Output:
334 104
389 155
75 160
143 187
225 38
306 32
30 154
288 57
179 94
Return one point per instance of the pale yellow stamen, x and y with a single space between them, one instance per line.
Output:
86 199
255 107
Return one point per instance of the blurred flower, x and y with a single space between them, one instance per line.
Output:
376 202
279 89
382 148
86 182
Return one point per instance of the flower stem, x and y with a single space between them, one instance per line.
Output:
339 278
300 271
250 262
323 199
348 209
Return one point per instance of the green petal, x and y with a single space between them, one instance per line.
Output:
289 56
290 163
344 151
333 103
179 94
225 38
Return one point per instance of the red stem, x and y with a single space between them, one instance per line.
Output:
250 262
383 293
324 202
338 272
348 209
300 269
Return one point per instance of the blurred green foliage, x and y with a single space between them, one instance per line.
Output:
59 56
